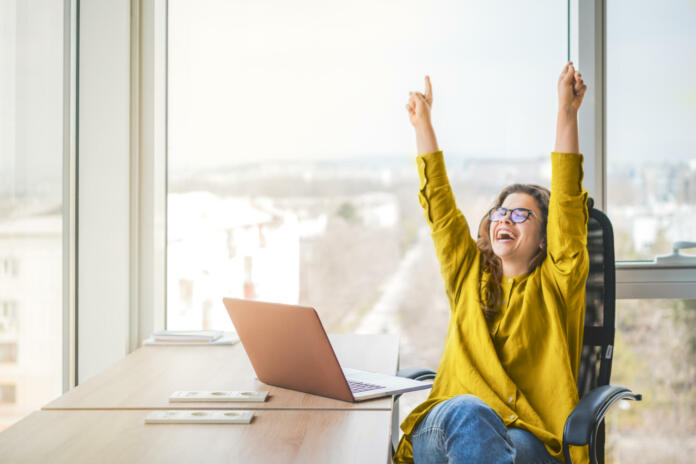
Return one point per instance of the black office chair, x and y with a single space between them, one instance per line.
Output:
585 425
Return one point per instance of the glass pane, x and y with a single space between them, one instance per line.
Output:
651 115
292 172
31 144
655 349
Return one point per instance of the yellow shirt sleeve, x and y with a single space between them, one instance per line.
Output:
454 246
567 220
567 263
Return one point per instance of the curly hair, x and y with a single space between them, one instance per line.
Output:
490 291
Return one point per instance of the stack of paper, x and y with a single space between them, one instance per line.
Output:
191 337
186 336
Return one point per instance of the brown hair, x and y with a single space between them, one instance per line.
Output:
490 292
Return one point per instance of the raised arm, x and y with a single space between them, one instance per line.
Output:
454 247
567 263
567 222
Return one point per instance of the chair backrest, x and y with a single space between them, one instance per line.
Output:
598 341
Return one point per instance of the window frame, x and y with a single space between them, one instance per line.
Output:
70 88
114 182
103 186
151 230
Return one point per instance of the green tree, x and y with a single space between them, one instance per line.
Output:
348 212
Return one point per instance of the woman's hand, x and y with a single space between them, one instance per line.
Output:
418 108
571 89
419 105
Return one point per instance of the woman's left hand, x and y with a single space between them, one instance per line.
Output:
571 89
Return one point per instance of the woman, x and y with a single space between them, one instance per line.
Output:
507 379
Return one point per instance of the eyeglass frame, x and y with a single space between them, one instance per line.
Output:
529 213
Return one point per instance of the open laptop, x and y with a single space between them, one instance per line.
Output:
288 348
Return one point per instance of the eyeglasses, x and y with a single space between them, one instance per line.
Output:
517 215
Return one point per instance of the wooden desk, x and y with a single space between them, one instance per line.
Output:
145 378
272 437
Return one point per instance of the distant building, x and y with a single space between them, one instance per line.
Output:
31 315
234 247
379 209
248 248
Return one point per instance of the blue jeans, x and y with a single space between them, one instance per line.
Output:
464 429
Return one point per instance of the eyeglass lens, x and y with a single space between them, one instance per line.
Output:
516 215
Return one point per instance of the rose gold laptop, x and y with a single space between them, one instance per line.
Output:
288 348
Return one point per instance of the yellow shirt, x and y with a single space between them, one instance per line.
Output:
523 364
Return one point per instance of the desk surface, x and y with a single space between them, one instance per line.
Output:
273 436
147 377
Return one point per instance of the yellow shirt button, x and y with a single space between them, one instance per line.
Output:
512 416
509 280
422 164
510 400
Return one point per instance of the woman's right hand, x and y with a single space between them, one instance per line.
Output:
419 105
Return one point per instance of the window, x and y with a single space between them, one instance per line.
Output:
8 317
8 352
650 119
31 189
9 267
654 352
651 199
291 159
8 394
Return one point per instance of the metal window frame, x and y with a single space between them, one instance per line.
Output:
70 86
149 168
586 50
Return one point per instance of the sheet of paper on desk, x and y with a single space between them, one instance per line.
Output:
227 338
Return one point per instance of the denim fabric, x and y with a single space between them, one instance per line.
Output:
464 429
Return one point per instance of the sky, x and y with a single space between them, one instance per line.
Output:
327 79
651 80
316 79
310 79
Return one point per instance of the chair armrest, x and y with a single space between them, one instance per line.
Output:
582 424
416 373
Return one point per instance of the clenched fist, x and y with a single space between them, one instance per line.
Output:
571 89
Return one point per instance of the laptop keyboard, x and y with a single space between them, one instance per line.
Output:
359 387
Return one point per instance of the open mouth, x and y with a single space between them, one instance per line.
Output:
504 236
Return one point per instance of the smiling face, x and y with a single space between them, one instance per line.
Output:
513 242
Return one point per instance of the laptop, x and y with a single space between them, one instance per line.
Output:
288 348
